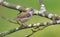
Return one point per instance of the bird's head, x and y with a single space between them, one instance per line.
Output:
30 10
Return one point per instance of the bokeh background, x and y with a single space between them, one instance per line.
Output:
52 6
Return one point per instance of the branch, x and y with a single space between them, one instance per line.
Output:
8 5
47 15
42 6
20 8
34 31
41 2
29 26
42 12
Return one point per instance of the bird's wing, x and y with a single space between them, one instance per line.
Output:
23 15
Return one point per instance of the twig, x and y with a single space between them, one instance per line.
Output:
8 5
29 26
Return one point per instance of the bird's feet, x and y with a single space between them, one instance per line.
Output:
23 25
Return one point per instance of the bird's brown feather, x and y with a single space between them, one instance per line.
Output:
23 15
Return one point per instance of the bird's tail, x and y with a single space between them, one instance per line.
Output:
4 17
10 20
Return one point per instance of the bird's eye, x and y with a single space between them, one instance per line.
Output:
31 9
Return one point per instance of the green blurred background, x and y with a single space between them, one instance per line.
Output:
52 6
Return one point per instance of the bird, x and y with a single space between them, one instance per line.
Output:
24 17
21 18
